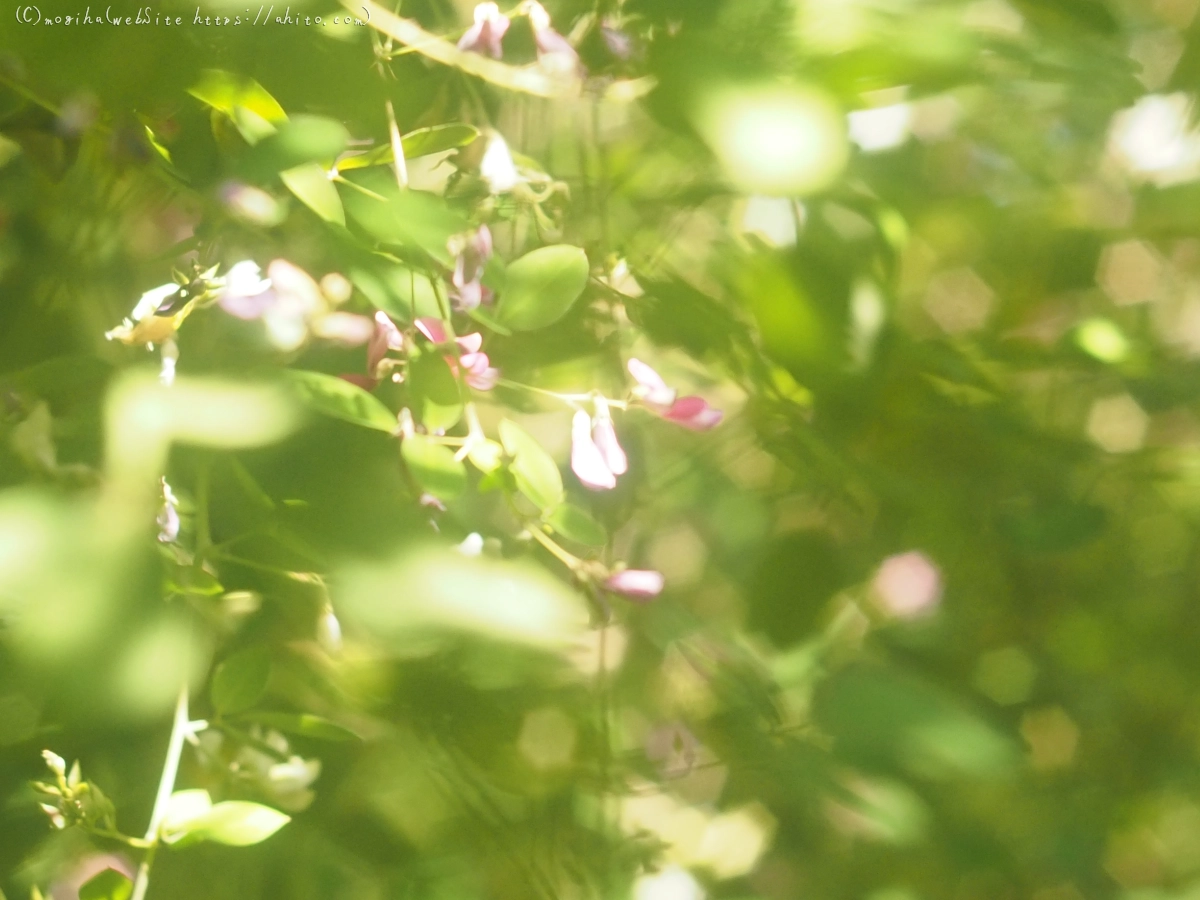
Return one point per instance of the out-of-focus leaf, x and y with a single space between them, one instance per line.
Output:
434 466
541 286
240 681
879 717
409 218
244 100
435 391
535 471
437 591
302 139
576 525
313 188
304 725
340 399
108 885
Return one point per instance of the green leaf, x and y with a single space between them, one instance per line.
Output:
108 885
576 525
193 580
407 218
244 100
435 391
303 139
240 681
421 142
340 399
313 188
305 725
541 286
236 823
486 319
535 471
434 466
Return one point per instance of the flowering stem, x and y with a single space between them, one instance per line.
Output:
166 786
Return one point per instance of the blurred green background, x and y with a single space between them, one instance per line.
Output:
930 621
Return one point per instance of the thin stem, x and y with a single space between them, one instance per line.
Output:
569 399
117 836
358 187
571 562
166 786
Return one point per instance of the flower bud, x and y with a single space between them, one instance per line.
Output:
636 584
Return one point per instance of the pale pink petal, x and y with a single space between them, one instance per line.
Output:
295 286
694 413
247 307
636 584
605 437
387 337
432 328
586 460
907 585
483 380
651 389
345 328
470 343
485 35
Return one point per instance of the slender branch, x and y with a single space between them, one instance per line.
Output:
166 786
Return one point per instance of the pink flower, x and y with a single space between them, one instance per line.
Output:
554 51
907 585
587 460
694 413
636 584
651 389
476 368
485 35
605 438
690 412
469 264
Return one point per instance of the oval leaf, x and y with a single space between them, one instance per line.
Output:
434 466
435 392
541 286
241 680
421 142
236 823
340 399
535 471
576 525
313 188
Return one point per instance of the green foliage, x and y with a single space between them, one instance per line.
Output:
750 452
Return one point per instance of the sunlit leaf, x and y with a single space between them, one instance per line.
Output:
535 471
435 390
434 466
336 397
238 823
541 286
314 189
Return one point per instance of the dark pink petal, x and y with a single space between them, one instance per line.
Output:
651 389
605 437
636 584
586 460
432 328
694 413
